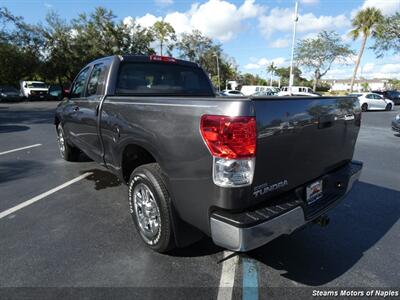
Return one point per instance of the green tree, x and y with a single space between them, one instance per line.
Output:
394 84
193 46
72 45
387 35
136 39
198 48
250 79
365 86
365 24
271 69
164 33
21 48
318 54
283 74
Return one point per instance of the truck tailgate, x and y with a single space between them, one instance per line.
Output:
300 139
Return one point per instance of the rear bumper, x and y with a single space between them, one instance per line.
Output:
249 230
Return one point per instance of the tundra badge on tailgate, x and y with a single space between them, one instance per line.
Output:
265 188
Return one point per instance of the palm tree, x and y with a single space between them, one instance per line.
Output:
272 70
364 24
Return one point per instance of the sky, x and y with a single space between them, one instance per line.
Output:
253 32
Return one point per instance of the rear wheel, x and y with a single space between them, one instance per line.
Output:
67 152
150 207
389 106
364 107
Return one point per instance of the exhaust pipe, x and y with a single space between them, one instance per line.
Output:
322 221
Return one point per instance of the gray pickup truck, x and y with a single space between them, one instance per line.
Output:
241 170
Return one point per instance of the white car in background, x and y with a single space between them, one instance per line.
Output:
372 101
248 90
34 90
231 93
297 91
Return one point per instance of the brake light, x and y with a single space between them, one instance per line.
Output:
162 58
229 137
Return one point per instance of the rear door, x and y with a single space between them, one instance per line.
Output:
380 102
72 115
88 111
371 101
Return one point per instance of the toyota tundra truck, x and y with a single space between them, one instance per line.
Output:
242 170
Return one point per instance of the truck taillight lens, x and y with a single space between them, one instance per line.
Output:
229 137
232 143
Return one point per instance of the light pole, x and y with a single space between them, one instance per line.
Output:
219 83
296 17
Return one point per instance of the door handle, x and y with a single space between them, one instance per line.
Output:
76 108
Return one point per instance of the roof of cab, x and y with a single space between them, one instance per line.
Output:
145 58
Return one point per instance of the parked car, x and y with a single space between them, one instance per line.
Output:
34 90
264 93
9 93
372 101
248 90
195 163
57 92
232 93
391 95
396 123
297 91
220 94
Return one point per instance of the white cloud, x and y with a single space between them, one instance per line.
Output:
280 43
346 38
164 2
368 67
309 1
281 20
180 22
263 62
147 20
387 7
250 10
368 70
217 19
252 66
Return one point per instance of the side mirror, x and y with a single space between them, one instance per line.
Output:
25 85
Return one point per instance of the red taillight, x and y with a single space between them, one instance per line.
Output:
162 58
229 137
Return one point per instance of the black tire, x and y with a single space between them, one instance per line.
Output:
388 107
67 152
150 176
364 107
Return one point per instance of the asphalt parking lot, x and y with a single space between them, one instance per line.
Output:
82 234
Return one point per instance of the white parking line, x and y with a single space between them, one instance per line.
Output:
18 149
41 196
227 280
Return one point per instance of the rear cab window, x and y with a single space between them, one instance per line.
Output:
162 79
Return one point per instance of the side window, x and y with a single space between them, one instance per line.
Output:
79 84
370 96
96 80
